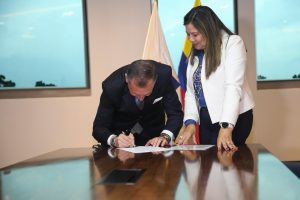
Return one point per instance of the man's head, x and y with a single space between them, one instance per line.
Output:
140 78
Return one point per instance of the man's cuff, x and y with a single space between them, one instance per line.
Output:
110 139
189 121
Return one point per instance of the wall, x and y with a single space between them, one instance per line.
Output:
276 115
30 127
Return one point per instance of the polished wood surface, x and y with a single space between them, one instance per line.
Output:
249 173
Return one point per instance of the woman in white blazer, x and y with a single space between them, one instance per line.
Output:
217 95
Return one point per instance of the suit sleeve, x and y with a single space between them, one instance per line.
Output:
103 120
172 106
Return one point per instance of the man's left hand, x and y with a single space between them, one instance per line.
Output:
157 142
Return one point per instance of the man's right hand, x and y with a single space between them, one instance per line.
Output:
123 141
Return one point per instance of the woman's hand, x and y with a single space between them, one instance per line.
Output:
225 139
187 134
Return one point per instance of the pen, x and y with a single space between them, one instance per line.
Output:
126 132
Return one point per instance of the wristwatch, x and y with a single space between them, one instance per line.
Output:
226 125
166 137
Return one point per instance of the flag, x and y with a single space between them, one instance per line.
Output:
184 60
156 47
183 66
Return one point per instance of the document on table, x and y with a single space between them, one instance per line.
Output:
147 149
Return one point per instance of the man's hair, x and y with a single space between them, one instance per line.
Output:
142 71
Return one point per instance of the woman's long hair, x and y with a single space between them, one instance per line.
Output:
210 26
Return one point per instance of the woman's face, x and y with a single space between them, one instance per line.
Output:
197 39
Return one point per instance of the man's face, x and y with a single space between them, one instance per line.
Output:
139 92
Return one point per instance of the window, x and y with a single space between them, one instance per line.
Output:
172 14
277 43
44 48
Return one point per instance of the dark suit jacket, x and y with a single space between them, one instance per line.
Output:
118 111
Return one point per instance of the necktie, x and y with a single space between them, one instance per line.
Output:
140 104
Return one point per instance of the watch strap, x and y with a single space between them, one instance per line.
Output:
166 137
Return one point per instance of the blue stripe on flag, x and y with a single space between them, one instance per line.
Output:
182 71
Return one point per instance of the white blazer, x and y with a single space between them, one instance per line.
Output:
226 91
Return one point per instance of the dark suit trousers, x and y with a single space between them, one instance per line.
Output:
209 132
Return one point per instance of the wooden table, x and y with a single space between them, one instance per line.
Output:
249 173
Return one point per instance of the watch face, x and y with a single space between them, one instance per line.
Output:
224 125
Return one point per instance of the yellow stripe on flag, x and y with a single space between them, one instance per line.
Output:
197 3
187 44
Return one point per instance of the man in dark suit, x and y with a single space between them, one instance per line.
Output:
141 95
